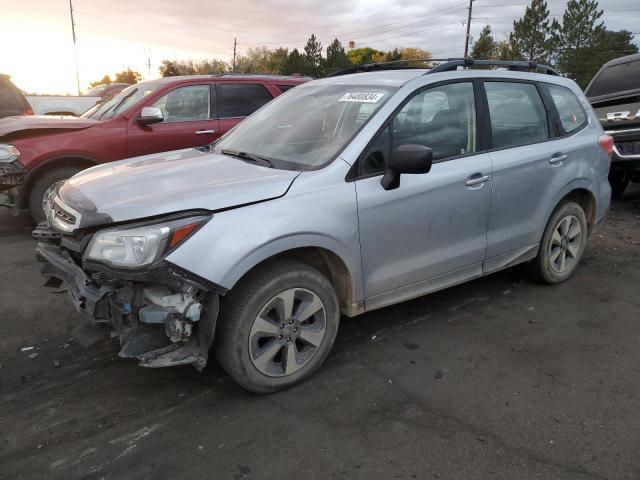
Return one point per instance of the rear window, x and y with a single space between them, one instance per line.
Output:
572 115
617 78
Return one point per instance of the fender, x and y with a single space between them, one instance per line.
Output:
576 184
32 174
245 261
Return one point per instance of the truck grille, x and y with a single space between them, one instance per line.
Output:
628 148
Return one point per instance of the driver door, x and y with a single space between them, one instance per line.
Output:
431 231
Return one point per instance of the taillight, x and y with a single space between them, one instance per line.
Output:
606 144
28 111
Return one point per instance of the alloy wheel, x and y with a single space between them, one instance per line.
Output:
565 244
287 332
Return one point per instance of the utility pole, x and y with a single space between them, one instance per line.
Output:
235 44
75 49
466 39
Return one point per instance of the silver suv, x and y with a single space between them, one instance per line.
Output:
343 195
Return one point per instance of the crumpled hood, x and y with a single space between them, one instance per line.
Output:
42 122
170 182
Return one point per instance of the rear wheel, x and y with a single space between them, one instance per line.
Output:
563 244
277 326
42 188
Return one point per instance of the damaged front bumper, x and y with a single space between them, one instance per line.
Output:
11 177
163 316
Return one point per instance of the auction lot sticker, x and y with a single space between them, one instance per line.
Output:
362 97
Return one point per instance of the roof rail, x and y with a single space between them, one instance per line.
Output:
390 65
446 65
519 66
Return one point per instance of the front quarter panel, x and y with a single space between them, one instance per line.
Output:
319 210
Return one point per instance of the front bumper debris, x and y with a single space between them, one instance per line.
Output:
11 177
162 316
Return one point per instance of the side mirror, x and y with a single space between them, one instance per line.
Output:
406 158
150 115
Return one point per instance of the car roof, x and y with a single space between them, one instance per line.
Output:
400 77
227 76
625 59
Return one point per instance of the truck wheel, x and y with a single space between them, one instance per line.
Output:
618 179
277 326
43 186
563 244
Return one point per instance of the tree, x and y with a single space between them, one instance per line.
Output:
278 59
533 35
505 51
255 60
106 80
293 64
392 55
172 68
485 48
579 33
362 56
313 56
336 58
128 76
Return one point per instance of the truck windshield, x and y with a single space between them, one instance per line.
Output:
308 126
121 102
616 78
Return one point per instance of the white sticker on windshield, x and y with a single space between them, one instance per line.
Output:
362 97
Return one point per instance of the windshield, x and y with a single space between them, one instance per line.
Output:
96 91
308 126
121 102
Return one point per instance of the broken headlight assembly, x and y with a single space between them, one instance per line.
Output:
8 153
134 247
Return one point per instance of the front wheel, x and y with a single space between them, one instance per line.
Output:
563 244
277 326
42 188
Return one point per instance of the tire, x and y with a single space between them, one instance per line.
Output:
565 235
618 179
251 345
40 187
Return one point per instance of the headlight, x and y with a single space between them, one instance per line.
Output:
140 246
8 153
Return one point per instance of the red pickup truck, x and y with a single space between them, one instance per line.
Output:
36 153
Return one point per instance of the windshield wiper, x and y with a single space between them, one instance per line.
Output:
265 162
117 106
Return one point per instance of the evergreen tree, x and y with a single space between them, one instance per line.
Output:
336 58
533 35
293 64
393 55
485 48
579 33
313 56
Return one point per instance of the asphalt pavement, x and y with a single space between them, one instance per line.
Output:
499 378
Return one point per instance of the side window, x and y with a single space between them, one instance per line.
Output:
241 99
572 115
185 103
284 88
442 118
518 116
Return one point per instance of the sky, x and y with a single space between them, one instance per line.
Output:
36 46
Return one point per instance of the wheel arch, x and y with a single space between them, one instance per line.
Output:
324 259
581 193
80 161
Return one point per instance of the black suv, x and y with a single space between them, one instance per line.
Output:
12 101
615 95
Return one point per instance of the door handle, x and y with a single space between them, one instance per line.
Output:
557 160
477 180
204 132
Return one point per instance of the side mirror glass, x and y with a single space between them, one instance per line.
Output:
150 115
408 159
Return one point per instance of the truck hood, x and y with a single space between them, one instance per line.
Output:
10 125
190 179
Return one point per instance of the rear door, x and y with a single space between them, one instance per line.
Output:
237 100
532 161
189 121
